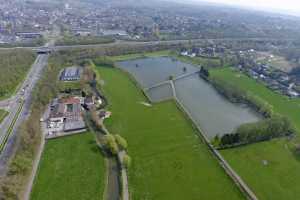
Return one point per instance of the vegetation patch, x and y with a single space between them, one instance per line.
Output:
84 40
14 65
70 168
164 148
267 129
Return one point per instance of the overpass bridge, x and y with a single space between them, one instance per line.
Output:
43 50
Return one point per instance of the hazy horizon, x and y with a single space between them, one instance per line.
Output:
288 6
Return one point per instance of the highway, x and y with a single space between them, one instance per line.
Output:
19 109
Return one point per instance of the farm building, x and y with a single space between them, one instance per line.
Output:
70 74
66 114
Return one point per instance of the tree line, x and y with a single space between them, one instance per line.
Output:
84 40
276 126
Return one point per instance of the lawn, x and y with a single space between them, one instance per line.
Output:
169 160
66 85
3 114
270 168
71 168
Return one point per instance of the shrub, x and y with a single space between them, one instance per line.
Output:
104 62
276 126
121 142
127 161
111 144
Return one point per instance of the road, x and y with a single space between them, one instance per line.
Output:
13 105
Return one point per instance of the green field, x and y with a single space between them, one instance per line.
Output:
3 114
71 168
270 168
169 160
65 85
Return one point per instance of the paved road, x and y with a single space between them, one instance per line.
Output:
24 94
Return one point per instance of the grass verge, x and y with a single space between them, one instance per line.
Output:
169 162
11 126
71 168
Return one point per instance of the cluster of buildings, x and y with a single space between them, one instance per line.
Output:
66 115
129 19
210 51
23 21
274 79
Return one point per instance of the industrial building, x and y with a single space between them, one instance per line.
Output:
66 114
70 74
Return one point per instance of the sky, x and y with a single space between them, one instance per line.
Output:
276 5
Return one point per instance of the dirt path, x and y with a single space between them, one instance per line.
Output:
113 186
35 166
27 192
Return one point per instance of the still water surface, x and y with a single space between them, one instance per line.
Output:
210 110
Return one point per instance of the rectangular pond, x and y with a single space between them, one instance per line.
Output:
210 110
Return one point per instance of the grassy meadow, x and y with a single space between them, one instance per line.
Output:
169 160
270 168
70 168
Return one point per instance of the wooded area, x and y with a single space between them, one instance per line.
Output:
84 40
14 64
276 126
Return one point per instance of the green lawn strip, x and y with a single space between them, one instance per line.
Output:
206 62
169 160
11 126
140 55
3 114
71 168
270 168
65 85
